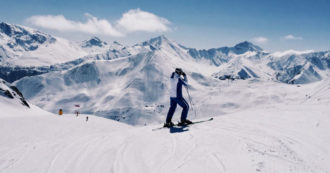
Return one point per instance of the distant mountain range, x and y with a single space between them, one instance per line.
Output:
27 52
130 83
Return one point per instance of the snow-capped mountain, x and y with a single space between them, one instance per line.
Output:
130 83
94 42
134 88
244 66
23 46
301 68
27 52
242 61
222 55
246 60
95 45
21 39
131 89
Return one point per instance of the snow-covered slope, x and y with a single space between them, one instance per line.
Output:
317 92
277 138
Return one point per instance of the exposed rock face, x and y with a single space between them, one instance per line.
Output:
11 92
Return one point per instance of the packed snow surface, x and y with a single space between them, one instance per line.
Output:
272 138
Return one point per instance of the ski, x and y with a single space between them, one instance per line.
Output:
201 121
176 125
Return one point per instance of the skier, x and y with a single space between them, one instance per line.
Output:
177 98
60 112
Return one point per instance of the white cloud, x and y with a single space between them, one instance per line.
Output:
131 21
291 52
292 37
260 40
60 23
138 20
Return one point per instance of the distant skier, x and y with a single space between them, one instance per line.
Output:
177 98
86 118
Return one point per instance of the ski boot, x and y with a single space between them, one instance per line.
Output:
168 125
184 122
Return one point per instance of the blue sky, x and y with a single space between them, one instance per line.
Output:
274 25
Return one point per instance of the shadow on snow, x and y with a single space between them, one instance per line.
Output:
178 129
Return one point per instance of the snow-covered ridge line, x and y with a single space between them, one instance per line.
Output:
231 61
23 46
11 92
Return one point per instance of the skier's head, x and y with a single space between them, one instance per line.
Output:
178 71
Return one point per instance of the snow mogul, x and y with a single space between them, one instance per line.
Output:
177 98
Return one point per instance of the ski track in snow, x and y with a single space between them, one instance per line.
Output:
268 140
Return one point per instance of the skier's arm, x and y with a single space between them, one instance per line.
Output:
184 81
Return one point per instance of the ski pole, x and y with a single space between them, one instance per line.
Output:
190 100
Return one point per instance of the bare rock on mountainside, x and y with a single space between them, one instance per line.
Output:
11 92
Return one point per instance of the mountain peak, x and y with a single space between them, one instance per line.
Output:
116 43
17 30
159 39
246 46
94 41
5 28
157 42
11 30
23 37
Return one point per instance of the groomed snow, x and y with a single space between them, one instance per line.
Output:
278 138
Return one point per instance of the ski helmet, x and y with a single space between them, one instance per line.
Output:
178 71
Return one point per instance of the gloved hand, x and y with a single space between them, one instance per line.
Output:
183 74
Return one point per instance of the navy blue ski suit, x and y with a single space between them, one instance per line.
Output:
177 98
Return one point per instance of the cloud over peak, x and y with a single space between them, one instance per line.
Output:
132 21
292 37
260 40
138 20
